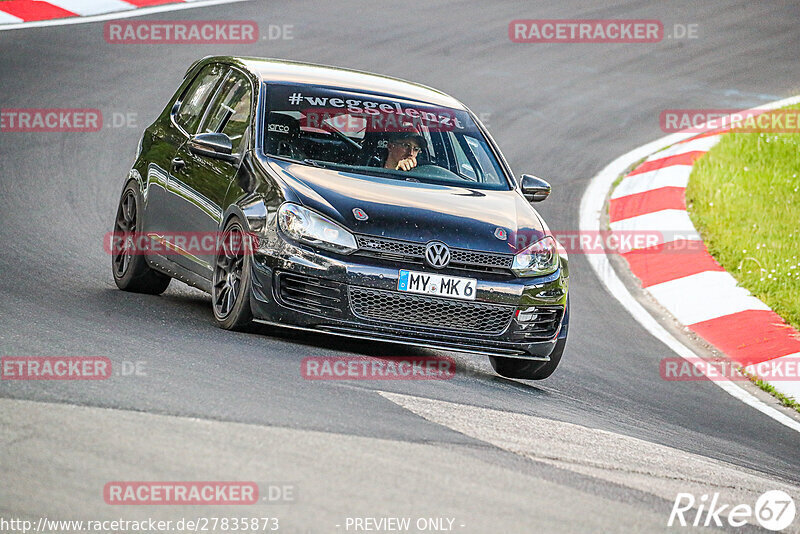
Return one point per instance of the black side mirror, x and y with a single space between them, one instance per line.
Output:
213 145
534 189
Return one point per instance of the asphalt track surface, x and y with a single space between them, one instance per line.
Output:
561 111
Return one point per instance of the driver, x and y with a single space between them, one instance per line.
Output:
404 147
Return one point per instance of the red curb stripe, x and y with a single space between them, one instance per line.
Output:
663 198
28 10
681 159
750 336
670 261
145 3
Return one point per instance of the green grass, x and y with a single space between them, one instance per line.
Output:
744 198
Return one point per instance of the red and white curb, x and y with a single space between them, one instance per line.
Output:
686 280
683 277
31 13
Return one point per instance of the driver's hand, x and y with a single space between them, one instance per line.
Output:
406 164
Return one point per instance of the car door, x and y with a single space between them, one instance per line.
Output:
168 136
201 181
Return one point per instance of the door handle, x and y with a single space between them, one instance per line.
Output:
178 163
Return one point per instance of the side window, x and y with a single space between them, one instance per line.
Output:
230 112
194 99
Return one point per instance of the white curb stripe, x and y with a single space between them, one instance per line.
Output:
118 15
672 176
669 225
6 18
591 210
704 296
704 144
91 7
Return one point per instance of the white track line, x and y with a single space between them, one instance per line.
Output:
634 463
591 211
787 387
118 15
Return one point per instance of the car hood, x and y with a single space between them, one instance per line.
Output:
458 216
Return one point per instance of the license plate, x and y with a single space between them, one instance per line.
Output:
452 287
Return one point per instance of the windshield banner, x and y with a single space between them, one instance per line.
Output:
353 113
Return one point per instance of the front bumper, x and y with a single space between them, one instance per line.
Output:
357 297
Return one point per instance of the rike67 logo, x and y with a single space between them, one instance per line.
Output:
774 510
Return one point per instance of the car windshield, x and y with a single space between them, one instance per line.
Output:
379 136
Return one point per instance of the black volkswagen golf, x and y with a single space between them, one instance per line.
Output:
347 203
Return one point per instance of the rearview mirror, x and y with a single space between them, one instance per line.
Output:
213 145
534 189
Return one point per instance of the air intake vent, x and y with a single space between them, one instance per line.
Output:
310 294
540 322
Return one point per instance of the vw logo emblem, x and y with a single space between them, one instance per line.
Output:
437 254
360 214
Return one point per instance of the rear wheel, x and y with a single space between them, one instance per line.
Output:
129 266
230 289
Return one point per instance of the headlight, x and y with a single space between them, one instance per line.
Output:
306 226
539 259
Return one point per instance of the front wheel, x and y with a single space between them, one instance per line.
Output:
528 369
230 289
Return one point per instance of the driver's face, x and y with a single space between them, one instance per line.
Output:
405 148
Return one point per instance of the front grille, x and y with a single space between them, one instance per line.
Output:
391 247
410 252
546 323
431 312
310 294
484 259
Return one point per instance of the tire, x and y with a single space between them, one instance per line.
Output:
231 283
131 271
528 369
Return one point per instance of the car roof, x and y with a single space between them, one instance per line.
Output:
284 71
